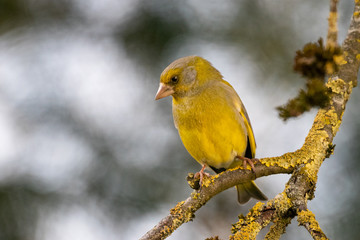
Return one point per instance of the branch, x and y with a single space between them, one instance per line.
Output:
260 216
303 163
332 31
318 144
307 219
184 211
278 228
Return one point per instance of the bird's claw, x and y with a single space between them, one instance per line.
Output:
201 174
248 161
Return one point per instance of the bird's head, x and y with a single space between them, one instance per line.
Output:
185 76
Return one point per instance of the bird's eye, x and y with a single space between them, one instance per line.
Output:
174 79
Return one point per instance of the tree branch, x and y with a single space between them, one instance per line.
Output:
184 211
307 219
303 163
318 144
278 228
332 30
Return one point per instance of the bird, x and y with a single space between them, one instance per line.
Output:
211 119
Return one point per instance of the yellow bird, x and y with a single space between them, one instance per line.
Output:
211 119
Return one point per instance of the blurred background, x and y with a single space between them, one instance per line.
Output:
86 152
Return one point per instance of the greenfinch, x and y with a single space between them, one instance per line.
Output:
211 119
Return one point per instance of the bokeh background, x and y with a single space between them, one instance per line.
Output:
86 152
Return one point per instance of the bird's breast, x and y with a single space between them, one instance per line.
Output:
212 132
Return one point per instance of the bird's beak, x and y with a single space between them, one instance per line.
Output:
164 91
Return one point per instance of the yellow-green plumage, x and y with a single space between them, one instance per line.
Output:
210 117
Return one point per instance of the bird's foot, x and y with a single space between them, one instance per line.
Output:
248 161
201 174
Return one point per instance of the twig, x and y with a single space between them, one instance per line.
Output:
307 219
278 228
332 30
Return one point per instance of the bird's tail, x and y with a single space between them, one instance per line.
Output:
249 190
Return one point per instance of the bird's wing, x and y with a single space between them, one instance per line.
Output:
240 107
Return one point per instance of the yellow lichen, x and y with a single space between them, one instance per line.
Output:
207 181
177 210
307 217
282 203
247 227
331 118
285 161
180 214
166 231
311 169
278 228
346 94
339 60
337 85
247 232
195 195
256 208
